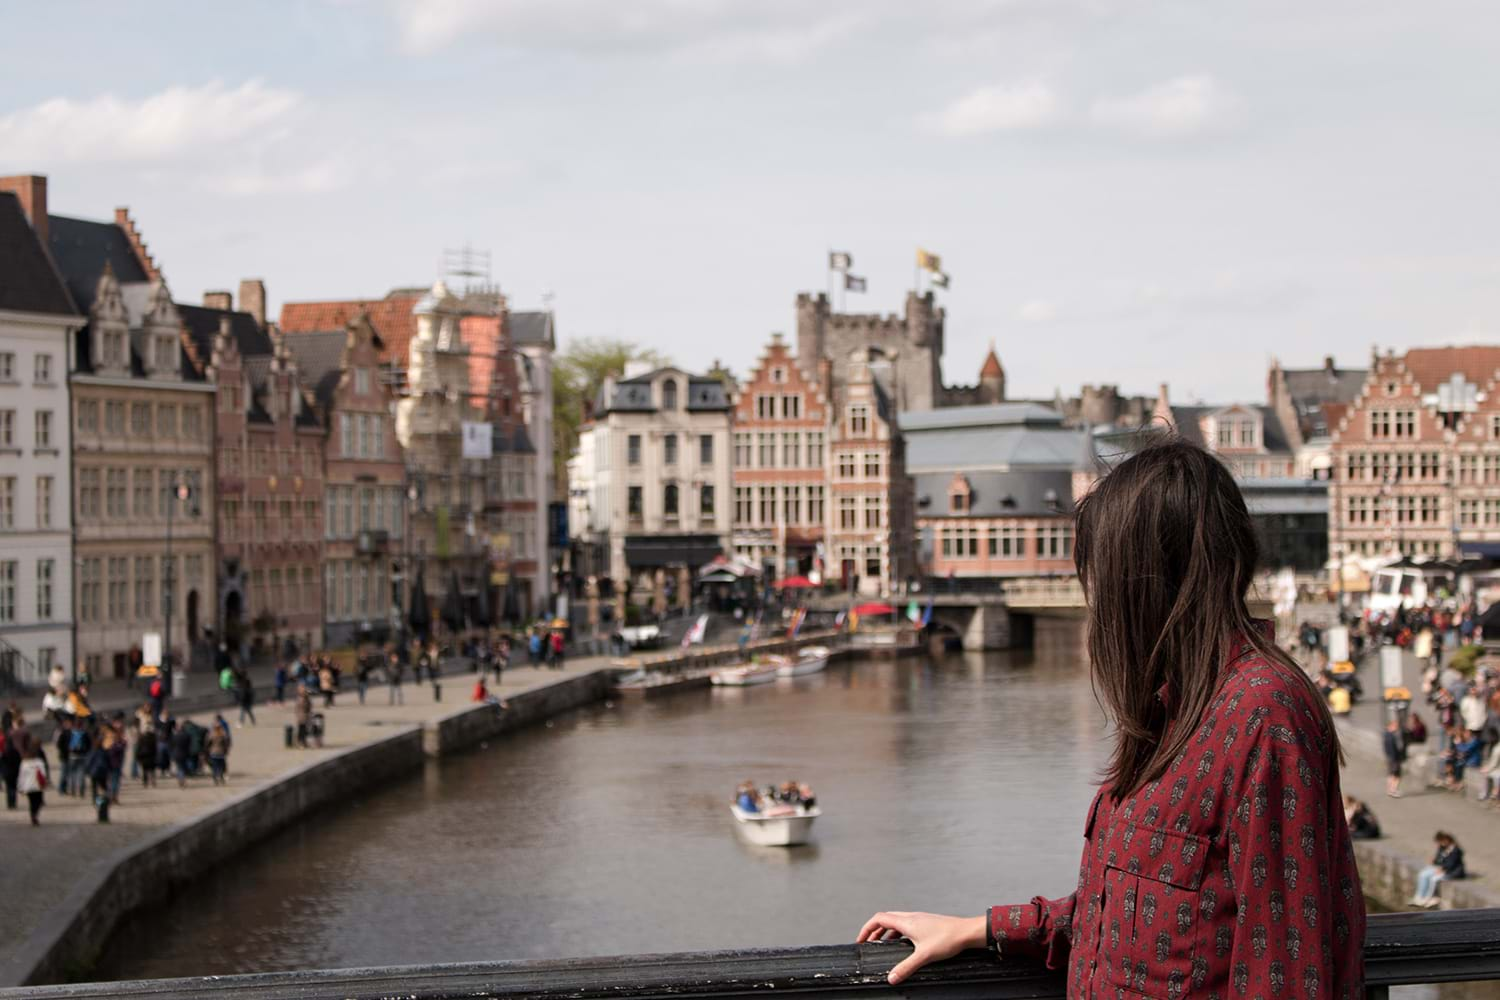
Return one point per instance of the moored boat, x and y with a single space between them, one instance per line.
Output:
745 675
809 660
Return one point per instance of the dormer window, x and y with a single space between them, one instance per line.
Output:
960 496
166 352
669 395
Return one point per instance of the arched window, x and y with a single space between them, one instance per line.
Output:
669 501
669 395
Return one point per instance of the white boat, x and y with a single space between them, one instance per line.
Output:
745 675
810 659
780 826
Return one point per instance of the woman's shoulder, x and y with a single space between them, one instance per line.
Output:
1273 702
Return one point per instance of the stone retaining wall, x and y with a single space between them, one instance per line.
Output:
70 938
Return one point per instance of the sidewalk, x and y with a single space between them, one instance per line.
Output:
1408 823
41 865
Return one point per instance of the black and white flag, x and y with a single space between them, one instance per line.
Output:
853 284
839 260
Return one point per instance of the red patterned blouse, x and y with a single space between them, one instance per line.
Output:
1231 876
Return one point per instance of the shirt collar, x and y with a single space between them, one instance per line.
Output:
1239 646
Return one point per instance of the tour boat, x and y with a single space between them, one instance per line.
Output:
810 659
779 826
745 675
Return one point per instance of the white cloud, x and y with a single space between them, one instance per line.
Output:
1037 311
777 30
997 109
162 126
313 178
1188 105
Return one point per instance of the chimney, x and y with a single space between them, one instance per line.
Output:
218 300
1328 364
31 190
253 299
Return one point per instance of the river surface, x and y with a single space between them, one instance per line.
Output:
947 784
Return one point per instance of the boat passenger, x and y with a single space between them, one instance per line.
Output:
809 800
747 798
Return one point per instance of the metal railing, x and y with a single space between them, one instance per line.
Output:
1400 949
1049 592
14 664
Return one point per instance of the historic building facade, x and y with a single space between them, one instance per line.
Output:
658 491
870 542
143 440
995 489
492 366
269 467
363 481
37 325
1416 457
781 428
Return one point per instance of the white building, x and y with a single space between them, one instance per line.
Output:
37 321
661 480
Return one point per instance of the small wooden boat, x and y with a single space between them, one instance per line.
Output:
745 674
779 826
652 684
810 660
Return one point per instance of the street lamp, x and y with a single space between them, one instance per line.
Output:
180 492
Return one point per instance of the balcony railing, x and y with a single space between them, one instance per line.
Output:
1400 949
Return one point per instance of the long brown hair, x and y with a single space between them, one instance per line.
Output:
1165 552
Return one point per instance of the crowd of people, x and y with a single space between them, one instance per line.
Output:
793 794
94 751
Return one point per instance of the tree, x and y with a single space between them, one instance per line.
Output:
723 374
577 375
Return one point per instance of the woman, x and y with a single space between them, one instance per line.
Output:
1447 863
217 747
1216 857
33 780
145 745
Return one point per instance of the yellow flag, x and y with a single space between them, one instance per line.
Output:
929 261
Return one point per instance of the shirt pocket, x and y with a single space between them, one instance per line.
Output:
1151 923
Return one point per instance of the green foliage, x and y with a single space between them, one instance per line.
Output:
577 374
1465 659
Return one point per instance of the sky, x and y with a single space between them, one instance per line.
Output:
1123 191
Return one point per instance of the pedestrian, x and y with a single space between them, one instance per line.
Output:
62 742
182 747
246 692
145 746
325 683
1395 757
534 646
1362 822
395 668
17 747
304 714
217 747
557 649
116 754
1447 864
278 683
1220 817
32 780
229 683
362 675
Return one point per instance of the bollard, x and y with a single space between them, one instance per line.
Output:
290 736
101 805
437 691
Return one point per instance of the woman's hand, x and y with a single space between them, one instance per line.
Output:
934 936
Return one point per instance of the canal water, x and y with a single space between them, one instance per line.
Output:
946 784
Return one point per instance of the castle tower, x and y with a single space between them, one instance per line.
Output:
910 343
991 378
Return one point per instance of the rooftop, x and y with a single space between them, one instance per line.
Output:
28 281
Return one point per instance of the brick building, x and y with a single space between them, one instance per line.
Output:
781 425
994 489
504 378
269 474
364 487
1416 457
870 542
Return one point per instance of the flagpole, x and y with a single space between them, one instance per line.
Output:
831 273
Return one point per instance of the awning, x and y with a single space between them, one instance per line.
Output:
795 583
653 551
874 609
1483 550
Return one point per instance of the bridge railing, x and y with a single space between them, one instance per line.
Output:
1061 591
1400 949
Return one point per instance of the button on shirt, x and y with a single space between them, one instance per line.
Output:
1232 875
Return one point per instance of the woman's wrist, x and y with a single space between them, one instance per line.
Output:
977 931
